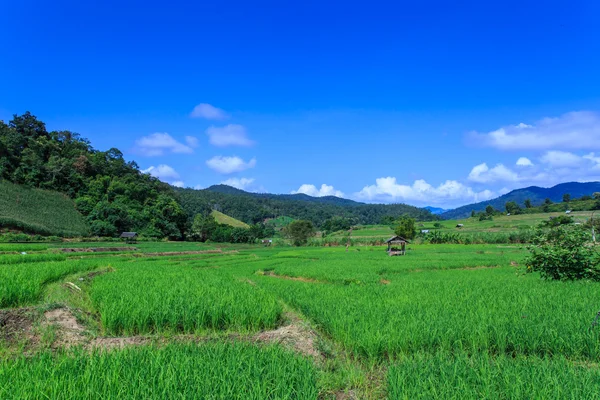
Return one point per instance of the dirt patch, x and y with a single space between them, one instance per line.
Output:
514 263
346 395
16 324
70 331
93 274
118 343
291 278
95 249
296 335
384 282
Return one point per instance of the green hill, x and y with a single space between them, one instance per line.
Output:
39 211
227 220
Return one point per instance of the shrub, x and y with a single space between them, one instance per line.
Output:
564 253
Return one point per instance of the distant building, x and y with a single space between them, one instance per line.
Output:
460 225
130 237
394 241
568 212
424 230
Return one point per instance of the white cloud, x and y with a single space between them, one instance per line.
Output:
229 165
524 162
157 144
449 193
178 184
162 172
191 141
483 174
561 159
574 130
198 187
207 111
325 190
240 183
229 135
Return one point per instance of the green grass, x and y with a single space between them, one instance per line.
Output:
177 371
227 220
464 377
23 284
444 321
39 211
144 296
502 223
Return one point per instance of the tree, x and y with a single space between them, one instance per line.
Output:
528 203
405 227
472 213
564 253
547 201
596 195
489 210
512 207
566 198
203 227
437 225
299 231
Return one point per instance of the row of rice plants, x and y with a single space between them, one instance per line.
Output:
24 283
176 371
13 259
338 266
487 310
145 296
19 247
479 376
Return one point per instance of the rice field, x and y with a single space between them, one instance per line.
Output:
444 321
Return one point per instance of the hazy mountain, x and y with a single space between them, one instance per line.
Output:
436 210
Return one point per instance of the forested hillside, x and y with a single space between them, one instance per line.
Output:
256 207
536 195
112 194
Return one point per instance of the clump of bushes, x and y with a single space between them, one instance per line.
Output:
564 253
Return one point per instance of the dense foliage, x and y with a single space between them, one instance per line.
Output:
111 193
405 227
206 227
299 232
258 207
564 253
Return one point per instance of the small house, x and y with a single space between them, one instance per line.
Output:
130 237
396 246
460 225
424 230
568 212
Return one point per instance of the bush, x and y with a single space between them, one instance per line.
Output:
564 253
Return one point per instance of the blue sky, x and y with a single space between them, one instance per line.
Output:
427 103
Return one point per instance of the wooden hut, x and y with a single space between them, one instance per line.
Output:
396 246
130 237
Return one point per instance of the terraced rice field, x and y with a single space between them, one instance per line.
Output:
197 321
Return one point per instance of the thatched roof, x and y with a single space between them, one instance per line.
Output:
396 239
128 235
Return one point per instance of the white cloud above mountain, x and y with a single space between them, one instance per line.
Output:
239 183
524 162
208 111
229 165
158 144
449 193
324 190
228 135
574 130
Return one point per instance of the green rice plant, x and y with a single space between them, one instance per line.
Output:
479 376
489 310
144 296
176 371
12 259
11 248
24 283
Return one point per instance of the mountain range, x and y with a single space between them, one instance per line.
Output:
535 194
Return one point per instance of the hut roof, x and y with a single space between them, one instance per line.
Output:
396 239
129 235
